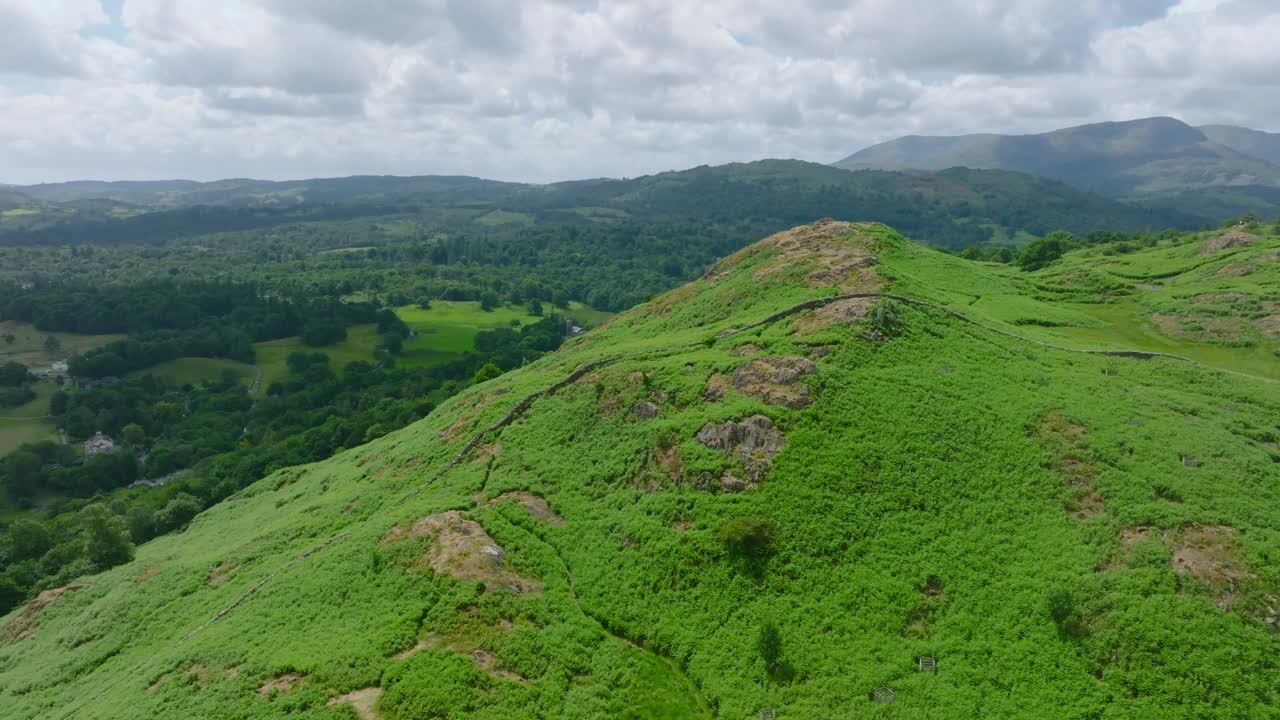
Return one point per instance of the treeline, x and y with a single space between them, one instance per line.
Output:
222 437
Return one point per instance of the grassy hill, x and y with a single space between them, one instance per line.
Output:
1151 156
773 490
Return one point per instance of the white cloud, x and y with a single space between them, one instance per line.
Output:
554 89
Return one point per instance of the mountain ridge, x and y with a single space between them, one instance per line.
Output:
1140 157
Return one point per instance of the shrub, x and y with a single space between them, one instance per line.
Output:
769 643
748 535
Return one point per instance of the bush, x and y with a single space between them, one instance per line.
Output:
748 535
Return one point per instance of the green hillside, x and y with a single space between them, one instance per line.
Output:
839 469
1151 156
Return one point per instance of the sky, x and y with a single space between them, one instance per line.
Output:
545 90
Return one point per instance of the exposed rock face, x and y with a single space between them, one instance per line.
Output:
1233 238
836 253
776 380
645 410
537 506
460 548
837 313
754 441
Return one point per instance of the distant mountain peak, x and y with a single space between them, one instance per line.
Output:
1136 157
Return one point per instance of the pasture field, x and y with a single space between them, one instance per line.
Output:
272 355
28 346
449 328
194 370
26 423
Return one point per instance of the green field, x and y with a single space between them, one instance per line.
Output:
449 328
273 354
194 370
26 423
28 346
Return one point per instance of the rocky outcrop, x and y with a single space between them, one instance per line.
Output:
1233 238
537 506
461 548
776 380
645 410
753 441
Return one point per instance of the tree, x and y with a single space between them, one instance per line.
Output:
392 343
13 374
488 300
28 539
535 307
58 402
10 338
1045 250
177 512
133 435
319 333
486 373
747 535
52 344
769 643
105 536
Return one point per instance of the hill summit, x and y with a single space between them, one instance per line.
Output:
840 470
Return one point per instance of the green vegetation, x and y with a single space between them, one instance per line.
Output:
193 371
733 203
1066 533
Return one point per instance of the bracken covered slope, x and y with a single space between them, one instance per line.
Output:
910 457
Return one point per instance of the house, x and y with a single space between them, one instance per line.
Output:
97 445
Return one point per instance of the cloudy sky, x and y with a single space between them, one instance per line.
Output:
544 90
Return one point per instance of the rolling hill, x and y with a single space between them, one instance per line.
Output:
841 470
953 208
1151 156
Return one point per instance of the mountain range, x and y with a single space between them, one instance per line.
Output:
1157 161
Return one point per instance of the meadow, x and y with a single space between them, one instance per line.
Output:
194 370
1064 534
28 346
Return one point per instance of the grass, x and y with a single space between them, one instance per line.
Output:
272 355
449 328
1022 514
194 370
26 423
28 346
